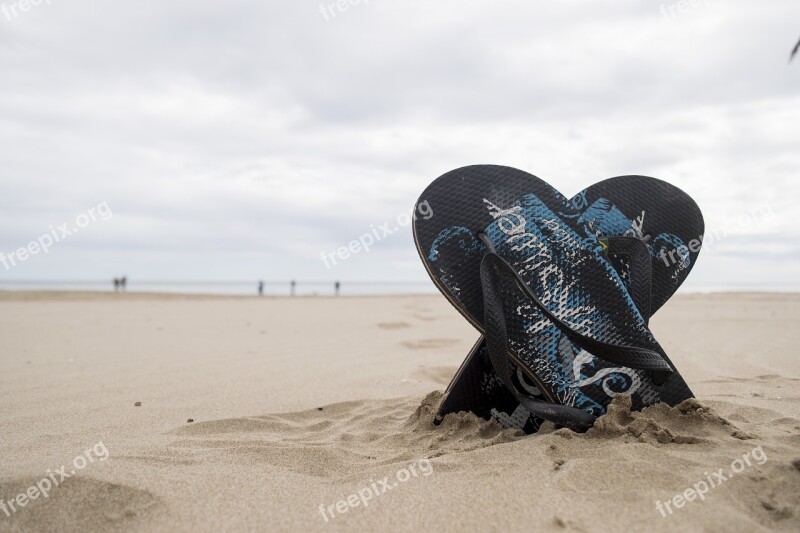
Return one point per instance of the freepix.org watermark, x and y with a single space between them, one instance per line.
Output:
56 234
681 7
715 234
53 479
375 489
330 10
376 234
712 480
12 10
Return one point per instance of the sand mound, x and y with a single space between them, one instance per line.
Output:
687 423
336 440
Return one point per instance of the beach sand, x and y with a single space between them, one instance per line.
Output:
299 403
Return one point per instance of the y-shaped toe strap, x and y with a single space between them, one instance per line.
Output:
493 267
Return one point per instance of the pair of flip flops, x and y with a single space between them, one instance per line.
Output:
560 289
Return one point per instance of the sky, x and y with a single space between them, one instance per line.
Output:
240 140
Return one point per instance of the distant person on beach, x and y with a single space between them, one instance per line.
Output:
293 284
123 283
261 288
337 286
116 284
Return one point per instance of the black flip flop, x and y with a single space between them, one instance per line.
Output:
607 209
549 298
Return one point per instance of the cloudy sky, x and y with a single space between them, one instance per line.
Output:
238 140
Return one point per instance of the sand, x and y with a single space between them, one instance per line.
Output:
298 405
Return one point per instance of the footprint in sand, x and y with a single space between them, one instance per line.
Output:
123 507
393 325
429 344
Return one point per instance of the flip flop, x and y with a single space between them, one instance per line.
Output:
627 206
512 256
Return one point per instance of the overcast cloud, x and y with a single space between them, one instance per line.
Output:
240 139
